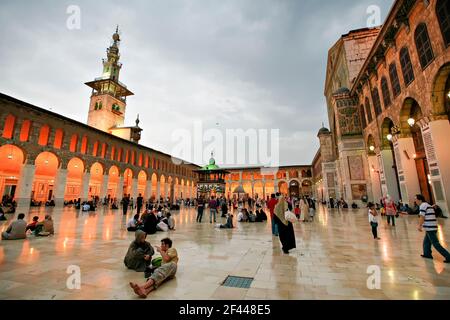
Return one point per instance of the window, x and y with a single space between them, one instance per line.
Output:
73 143
376 101
443 15
363 119
8 129
59 136
115 107
407 68
423 45
395 81
95 149
84 145
25 130
43 135
386 93
104 150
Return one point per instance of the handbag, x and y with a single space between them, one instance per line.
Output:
289 216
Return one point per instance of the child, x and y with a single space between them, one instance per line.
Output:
373 220
33 224
297 211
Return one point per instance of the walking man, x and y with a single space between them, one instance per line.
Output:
428 222
200 207
139 203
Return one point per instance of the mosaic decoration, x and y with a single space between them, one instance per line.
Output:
356 168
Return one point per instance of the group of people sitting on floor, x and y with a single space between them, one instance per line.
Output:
19 228
152 221
248 216
139 257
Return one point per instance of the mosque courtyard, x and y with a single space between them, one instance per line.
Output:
331 261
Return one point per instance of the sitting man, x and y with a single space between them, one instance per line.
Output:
17 229
229 224
167 270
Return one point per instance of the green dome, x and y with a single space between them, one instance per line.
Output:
211 166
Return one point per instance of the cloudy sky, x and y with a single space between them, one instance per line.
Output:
248 64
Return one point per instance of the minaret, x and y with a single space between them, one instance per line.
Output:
108 99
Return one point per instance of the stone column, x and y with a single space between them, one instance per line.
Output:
172 192
387 172
25 187
406 166
158 190
148 189
119 192
60 187
166 189
264 189
104 187
435 137
275 185
85 186
134 188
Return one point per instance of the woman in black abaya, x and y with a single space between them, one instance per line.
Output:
285 228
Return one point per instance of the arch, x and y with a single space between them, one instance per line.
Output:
154 185
142 182
113 181
423 45
127 181
12 159
25 131
410 109
8 128
371 143
44 134
306 187
162 186
386 127
96 179
75 170
283 187
294 188
47 164
258 190
443 15
441 92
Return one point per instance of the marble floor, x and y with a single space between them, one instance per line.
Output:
331 260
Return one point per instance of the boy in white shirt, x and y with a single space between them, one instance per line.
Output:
373 220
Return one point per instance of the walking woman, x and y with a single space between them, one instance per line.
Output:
285 228
304 210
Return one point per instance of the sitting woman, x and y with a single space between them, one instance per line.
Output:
45 228
167 270
139 254
133 223
150 223
114 205
261 216
2 214
33 224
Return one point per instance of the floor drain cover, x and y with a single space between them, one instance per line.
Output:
237 282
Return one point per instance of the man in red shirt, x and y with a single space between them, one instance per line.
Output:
271 205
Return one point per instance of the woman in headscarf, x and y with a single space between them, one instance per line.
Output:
304 210
139 254
285 228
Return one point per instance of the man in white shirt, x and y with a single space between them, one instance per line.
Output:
428 222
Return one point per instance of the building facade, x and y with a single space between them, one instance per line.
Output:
46 156
401 96
258 182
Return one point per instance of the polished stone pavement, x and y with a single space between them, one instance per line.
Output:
331 260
